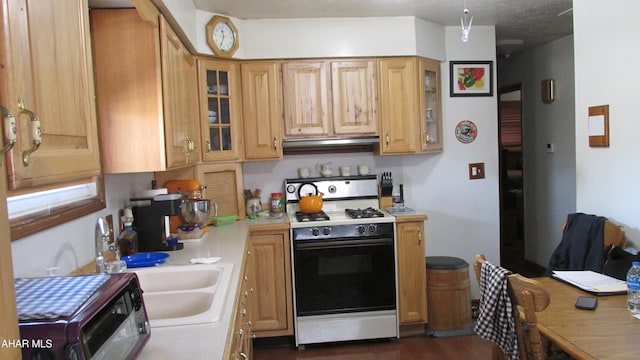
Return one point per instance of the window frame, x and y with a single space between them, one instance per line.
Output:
33 223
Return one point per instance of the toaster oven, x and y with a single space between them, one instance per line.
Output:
99 316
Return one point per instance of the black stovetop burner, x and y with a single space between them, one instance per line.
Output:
364 213
319 216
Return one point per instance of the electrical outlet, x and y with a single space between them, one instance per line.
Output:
551 147
476 171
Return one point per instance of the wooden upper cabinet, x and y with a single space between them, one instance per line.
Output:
220 110
355 97
179 92
330 98
143 86
46 62
399 112
307 98
262 110
430 106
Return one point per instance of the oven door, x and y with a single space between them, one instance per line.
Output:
349 275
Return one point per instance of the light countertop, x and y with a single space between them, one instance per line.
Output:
207 341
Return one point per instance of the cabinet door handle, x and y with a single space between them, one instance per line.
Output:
241 350
275 143
387 138
36 132
9 131
189 147
208 146
419 237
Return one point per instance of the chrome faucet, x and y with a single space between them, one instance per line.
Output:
101 239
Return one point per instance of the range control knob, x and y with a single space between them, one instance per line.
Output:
361 229
332 189
373 228
326 230
291 189
315 231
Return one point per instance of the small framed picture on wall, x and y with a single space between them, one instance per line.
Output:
471 78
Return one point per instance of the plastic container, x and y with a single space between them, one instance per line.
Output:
633 288
223 220
277 205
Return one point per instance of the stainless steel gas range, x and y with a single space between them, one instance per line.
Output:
344 269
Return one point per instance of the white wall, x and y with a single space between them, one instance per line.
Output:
606 53
330 37
550 178
464 214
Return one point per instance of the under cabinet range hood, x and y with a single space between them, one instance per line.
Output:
311 145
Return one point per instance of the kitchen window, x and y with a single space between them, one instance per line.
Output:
36 211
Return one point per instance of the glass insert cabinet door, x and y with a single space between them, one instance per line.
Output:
220 119
431 113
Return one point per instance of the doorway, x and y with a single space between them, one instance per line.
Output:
511 178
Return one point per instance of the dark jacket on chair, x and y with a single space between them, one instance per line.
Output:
582 245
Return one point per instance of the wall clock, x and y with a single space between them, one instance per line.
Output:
222 36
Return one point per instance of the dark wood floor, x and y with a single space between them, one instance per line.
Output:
414 347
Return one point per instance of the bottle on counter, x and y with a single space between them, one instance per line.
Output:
277 205
128 240
633 288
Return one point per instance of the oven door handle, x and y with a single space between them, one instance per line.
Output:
333 244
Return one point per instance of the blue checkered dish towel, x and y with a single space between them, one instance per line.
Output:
496 322
54 297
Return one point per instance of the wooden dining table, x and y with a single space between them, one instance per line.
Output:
608 332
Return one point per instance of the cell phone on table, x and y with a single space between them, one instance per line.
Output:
586 303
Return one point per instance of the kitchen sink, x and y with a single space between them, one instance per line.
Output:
177 305
179 278
184 294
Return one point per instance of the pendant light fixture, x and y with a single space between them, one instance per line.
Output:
466 26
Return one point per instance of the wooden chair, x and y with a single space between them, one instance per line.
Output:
528 296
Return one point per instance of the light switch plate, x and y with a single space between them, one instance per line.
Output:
476 171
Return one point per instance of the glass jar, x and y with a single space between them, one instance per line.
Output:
253 207
277 206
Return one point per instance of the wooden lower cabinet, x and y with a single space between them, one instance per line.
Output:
412 277
240 336
270 264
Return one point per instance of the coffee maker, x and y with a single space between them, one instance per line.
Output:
151 221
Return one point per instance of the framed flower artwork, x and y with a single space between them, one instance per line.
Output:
471 78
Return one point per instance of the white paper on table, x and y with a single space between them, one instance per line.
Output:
592 281
596 125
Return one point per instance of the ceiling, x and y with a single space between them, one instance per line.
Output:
535 22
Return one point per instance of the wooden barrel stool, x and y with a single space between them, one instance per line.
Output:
448 293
